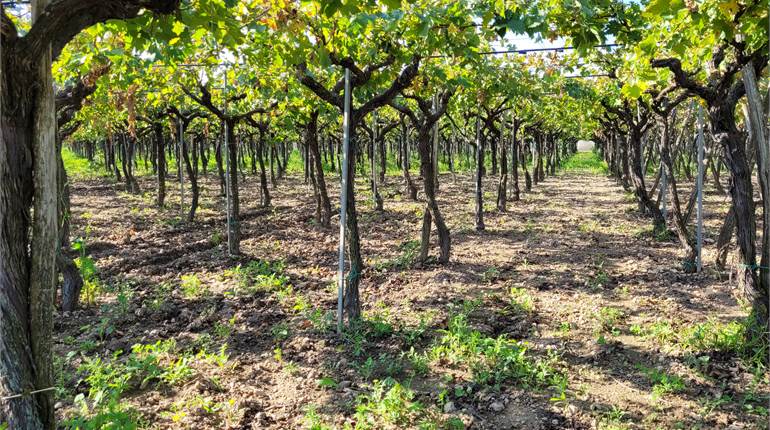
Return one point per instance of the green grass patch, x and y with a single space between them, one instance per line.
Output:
610 319
495 360
662 383
586 162
737 337
110 378
391 404
80 168
258 276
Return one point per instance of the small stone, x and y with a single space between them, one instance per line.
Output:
449 407
555 422
344 384
496 406
467 420
58 405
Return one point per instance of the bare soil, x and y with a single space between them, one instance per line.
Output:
575 245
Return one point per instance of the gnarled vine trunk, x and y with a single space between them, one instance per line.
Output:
726 135
637 177
311 138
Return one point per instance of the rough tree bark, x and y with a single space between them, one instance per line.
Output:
229 121
502 186
183 121
335 97
424 123
680 224
262 171
515 160
311 139
721 95
409 189
527 176
479 178
28 166
637 125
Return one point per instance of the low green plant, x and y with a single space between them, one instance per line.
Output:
662 235
327 382
87 345
614 419
220 357
192 287
301 303
378 326
198 404
160 294
589 226
108 379
104 329
521 301
662 331
412 334
313 420
223 330
178 371
609 319
366 368
322 321
418 361
738 337
114 415
662 382
490 274
92 286
280 332
408 251
710 404
258 276
371 327
217 238
389 403
599 280
495 360
384 365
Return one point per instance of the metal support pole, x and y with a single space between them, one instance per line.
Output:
699 234
373 158
434 155
663 191
228 196
181 170
343 198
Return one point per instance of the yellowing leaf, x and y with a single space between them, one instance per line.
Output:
178 28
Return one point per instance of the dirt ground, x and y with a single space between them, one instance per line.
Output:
571 249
